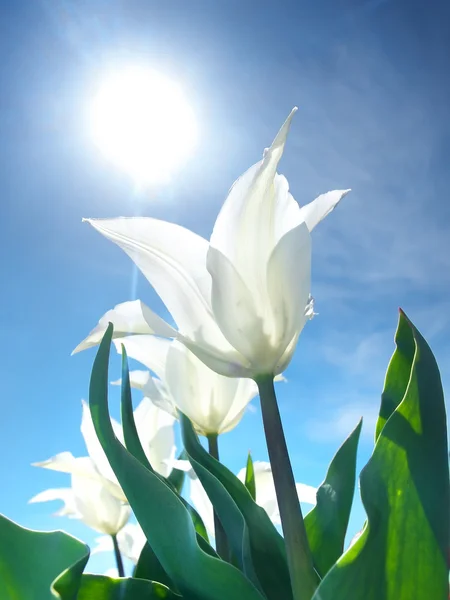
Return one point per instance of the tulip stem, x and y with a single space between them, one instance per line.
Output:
221 539
303 579
118 556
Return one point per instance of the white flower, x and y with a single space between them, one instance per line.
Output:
131 540
241 300
89 500
214 403
155 430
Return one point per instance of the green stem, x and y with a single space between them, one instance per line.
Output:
303 579
221 539
118 556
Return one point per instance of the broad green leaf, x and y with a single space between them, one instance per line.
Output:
266 546
402 552
398 373
164 519
326 524
149 567
250 477
31 560
134 446
99 587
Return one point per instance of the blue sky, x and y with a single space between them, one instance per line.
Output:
372 86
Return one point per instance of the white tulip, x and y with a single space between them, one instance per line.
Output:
155 430
241 300
89 500
213 403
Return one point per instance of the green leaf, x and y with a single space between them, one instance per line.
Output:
177 476
130 434
402 552
164 519
250 477
100 587
326 524
31 560
149 567
398 373
266 553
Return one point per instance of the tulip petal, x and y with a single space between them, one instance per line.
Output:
319 208
64 494
289 284
64 462
212 402
246 216
149 350
138 380
173 259
235 310
127 317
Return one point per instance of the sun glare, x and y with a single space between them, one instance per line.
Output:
143 123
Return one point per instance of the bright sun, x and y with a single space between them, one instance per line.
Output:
143 123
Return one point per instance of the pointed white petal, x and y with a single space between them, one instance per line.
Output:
138 379
173 259
319 208
64 494
149 350
128 317
246 228
65 462
289 284
93 445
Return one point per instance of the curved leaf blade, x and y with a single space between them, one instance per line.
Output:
100 587
30 561
267 550
326 524
397 375
148 567
161 514
250 477
402 552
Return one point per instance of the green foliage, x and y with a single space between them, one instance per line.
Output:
250 532
402 552
250 477
162 516
30 561
149 567
326 524
99 587
398 373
